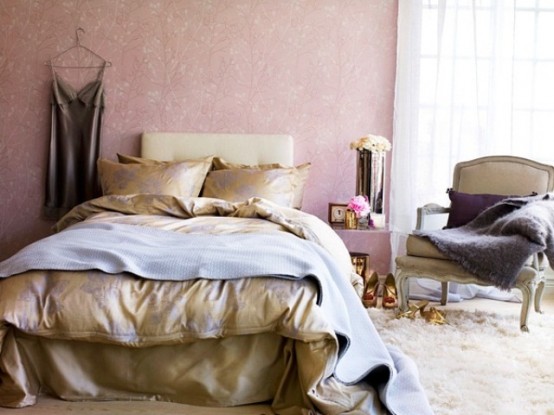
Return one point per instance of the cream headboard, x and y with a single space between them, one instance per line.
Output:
236 148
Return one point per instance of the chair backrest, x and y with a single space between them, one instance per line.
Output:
503 175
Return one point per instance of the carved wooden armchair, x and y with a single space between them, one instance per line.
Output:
493 176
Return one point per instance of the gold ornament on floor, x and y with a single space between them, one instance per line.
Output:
413 309
432 316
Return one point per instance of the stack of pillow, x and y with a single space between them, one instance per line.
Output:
211 177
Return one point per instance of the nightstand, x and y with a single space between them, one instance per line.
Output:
372 242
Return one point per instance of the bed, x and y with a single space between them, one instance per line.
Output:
197 279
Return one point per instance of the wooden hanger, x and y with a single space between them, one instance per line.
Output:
78 46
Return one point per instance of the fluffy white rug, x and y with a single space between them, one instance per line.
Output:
480 363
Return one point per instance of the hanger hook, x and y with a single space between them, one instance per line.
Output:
77 35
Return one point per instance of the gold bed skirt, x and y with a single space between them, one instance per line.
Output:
211 372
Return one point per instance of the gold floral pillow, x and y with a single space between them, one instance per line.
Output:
300 174
125 159
238 185
182 179
222 164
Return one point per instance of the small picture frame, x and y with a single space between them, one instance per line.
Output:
337 213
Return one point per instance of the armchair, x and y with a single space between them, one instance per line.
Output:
493 175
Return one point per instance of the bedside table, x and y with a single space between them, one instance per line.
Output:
372 242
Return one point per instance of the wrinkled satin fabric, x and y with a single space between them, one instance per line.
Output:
75 131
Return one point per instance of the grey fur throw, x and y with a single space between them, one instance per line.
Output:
497 243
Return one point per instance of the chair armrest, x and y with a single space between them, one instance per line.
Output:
429 210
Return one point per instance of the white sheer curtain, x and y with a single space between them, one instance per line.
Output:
474 78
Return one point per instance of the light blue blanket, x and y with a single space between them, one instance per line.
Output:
165 255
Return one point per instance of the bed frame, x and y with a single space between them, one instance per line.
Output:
237 148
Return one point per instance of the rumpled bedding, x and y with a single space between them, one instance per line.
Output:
121 309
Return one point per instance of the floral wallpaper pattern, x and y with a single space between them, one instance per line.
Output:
320 70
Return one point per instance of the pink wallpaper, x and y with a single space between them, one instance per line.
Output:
320 70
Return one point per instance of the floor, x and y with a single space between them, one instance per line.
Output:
501 306
47 406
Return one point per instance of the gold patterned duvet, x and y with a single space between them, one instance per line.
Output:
90 334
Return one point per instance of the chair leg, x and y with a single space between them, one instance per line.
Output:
538 295
444 292
528 294
403 290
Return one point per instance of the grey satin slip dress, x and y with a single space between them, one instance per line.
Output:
74 145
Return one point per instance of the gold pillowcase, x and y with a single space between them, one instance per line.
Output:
122 158
238 185
182 179
222 164
125 159
300 175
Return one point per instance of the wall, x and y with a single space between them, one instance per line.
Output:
320 70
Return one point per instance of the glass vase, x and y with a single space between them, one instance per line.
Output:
370 180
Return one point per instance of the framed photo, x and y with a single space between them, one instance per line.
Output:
337 213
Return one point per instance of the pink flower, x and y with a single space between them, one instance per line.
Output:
360 205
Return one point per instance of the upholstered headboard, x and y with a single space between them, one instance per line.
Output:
236 148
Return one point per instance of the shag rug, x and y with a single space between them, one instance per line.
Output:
480 363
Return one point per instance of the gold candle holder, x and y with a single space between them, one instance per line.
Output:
350 220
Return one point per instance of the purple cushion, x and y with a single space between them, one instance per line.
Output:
465 207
